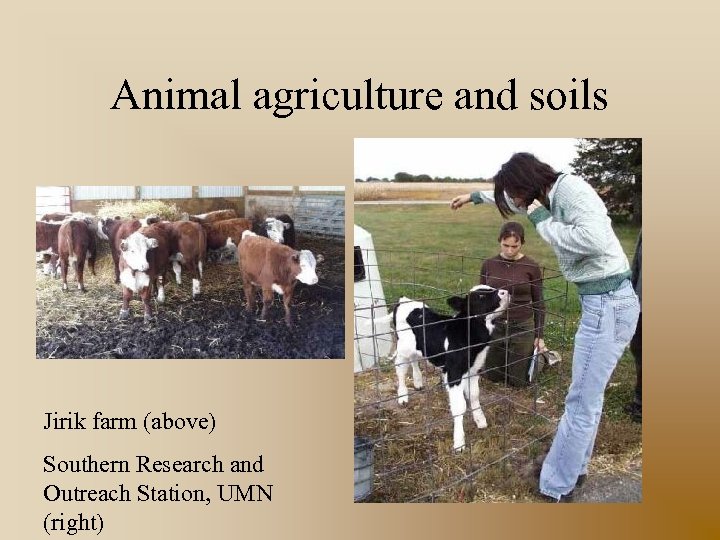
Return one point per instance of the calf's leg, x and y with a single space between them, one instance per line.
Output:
249 294
267 301
80 272
458 405
145 297
64 272
116 264
125 309
473 383
287 296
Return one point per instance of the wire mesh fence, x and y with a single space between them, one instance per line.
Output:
415 459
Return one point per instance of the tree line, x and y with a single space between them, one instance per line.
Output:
407 177
612 166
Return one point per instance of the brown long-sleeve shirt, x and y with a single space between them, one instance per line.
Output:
522 278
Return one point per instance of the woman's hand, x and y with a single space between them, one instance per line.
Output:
533 206
459 201
540 345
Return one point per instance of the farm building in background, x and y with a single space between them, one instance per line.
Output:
315 209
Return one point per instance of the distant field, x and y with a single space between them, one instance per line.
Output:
410 191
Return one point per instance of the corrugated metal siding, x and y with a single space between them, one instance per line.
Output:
91 193
322 188
220 191
270 188
315 214
166 192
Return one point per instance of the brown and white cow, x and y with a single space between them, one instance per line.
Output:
273 267
219 231
187 245
144 261
76 243
46 243
216 215
116 231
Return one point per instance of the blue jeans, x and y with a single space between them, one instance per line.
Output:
606 326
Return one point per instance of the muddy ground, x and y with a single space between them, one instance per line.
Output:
216 325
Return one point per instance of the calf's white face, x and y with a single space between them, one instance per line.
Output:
502 294
276 229
307 273
134 250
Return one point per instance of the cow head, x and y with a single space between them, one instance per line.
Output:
106 225
96 224
275 229
481 300
134 250
307 263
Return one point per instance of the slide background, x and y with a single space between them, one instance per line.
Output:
65 63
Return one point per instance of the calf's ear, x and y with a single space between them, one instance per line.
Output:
457 302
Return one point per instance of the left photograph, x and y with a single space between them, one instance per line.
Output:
190 271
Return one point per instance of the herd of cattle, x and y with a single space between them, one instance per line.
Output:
143 252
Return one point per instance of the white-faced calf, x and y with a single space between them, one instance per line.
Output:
143 265
274 268
118 230
458 344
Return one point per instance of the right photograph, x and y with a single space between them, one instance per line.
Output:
498 320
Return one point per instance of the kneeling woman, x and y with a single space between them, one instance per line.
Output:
509 360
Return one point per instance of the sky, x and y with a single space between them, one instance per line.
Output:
458 158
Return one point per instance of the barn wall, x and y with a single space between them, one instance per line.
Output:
315 209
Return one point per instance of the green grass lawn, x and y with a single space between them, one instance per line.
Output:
434 246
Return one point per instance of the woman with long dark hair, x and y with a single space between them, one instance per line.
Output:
571 217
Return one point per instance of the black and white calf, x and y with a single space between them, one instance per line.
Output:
457 344
280 229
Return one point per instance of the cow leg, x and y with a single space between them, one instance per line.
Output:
417 374
287 296
116 264
91 255
473 383
178 272
267 302
458 405
195 272
145 297
80 272
125 309
158 282
64 272
249 294
401 368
